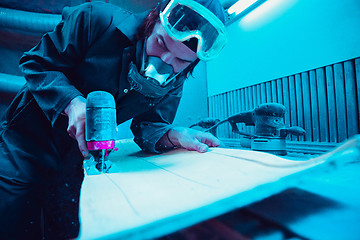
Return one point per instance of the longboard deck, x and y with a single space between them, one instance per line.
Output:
149 195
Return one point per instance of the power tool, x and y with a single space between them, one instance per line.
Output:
270 130
100 129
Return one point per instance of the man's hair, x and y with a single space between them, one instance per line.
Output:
147 28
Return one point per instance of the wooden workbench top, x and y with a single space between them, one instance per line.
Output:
149 195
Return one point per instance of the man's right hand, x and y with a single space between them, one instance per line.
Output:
76 128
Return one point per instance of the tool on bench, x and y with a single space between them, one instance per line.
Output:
270 130
100 129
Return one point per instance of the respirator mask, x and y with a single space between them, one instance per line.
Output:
154 68
154 76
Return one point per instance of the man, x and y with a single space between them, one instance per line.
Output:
97 46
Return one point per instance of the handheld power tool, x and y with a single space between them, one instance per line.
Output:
270 130
100 129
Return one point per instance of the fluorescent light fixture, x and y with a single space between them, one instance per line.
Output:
241 6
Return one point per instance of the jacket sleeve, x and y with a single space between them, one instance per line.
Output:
57 52
150 126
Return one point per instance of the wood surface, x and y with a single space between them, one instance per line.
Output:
149 195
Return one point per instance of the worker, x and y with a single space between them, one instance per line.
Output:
142 61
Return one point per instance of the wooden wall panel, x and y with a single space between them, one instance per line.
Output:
330 87
268 91
279 91
350 96
323 101
263 92
286 96
314 106
307 106
357 80
274 95
258 93
322 105
340 101
299 104
292 109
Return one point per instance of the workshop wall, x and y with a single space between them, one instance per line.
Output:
282 38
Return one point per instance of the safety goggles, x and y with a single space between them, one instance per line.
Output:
186 20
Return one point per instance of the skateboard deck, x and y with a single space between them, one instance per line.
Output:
149 195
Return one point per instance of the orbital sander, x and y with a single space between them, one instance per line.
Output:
270 130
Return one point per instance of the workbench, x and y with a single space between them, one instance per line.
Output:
146 196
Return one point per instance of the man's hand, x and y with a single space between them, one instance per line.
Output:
76 129
192 139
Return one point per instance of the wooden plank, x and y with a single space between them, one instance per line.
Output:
223 114
293 109
227 104
299 104
210 105
340 101
250 96
247 102
334 218
214 106
254 95
357 73
237 101
330 87
258 93
268 92
145 196
350 96
231 108
238 104
279 91
251 106
306 105
286 95
274 92
263 92
245 108
314 106
217 111
243 105
322 100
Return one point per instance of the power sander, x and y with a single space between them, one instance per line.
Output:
270 130
100 130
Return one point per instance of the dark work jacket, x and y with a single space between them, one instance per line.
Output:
90 49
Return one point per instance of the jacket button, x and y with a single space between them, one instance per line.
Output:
126 90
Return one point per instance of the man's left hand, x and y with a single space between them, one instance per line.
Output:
192 139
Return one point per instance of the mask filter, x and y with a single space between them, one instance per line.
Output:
158 70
